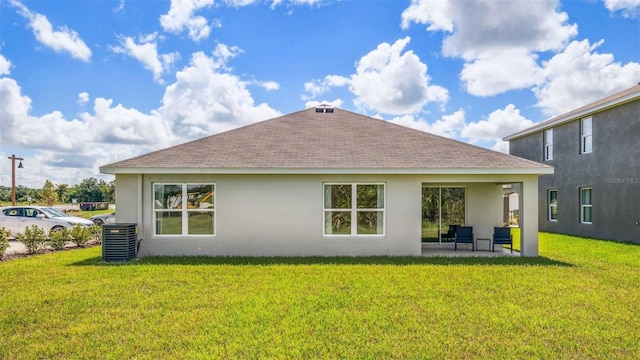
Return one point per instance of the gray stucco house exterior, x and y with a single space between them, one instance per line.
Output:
595 151
317 182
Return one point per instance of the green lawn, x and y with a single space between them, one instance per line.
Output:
580 300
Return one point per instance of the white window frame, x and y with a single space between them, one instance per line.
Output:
548 144
354 209
184 209
583 206
551 206
586 137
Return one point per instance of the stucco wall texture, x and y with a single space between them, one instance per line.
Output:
611 170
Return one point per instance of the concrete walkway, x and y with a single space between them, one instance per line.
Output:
16 247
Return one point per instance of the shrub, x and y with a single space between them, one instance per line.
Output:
4 241
96 233
58 239
33 238
80 235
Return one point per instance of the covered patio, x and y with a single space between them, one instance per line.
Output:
476 202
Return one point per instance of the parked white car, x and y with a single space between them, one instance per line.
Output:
18 218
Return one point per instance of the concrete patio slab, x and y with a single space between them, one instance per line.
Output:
464 250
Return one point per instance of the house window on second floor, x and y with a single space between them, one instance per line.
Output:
548 144
585 205
552 203
586 135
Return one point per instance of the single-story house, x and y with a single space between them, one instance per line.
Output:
320 181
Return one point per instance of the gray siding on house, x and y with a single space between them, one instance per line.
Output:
611 170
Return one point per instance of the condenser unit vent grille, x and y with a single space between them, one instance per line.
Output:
119 242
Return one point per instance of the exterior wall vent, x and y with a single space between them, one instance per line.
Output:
324 108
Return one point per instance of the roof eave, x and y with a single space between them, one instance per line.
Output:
570 116
536 170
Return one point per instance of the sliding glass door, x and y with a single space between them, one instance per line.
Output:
441 207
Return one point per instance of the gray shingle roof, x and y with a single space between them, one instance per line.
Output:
619 98
310 140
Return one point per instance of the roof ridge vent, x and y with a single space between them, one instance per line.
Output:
324 108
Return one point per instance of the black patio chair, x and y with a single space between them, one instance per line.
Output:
451 233
464 235
502 236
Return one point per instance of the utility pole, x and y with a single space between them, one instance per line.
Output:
13 176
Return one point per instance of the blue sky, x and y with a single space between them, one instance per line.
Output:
87 83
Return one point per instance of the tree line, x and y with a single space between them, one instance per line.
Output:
90 189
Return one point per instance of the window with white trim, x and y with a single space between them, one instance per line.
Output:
548 144
585 205
184 209
354 209
586 138
552 204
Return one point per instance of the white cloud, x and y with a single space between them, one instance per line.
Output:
275 3
313 103
499 124
5 66
83 98
434 13
628 8
50 131
447 125
239 3
580 75
181 16
121 125
68 150
223 53
394 82
119 7
206 99
146 51
482 75
61 40
321 86
387 79
269 85
490 34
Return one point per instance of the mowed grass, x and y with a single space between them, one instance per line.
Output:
579 300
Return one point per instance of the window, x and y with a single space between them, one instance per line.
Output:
184 209
585 205
354 209
586 132
548 144
13 212
552 203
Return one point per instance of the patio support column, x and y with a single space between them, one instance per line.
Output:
528 204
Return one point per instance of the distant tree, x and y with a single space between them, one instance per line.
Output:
88 190
5 193
108 191
24 193
48 195
63 192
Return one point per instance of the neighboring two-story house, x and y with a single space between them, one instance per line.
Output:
595 150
